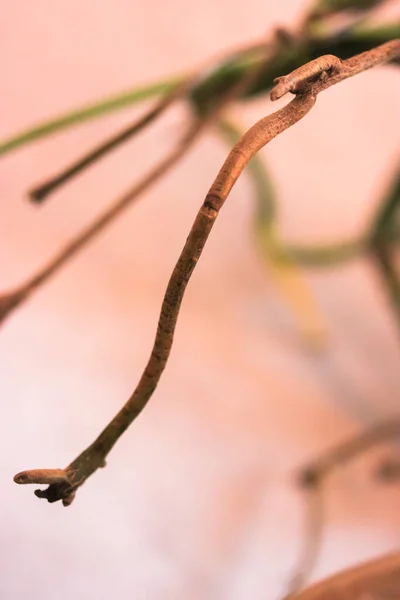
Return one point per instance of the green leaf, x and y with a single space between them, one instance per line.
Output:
330 7
92 111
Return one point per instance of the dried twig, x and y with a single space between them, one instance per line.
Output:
311 542
41 192
253 140
181 90
312 479
11 300
314 474
89 112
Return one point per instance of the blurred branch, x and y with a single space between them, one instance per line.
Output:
313 475
289 50
312 479
322 256
324 8
92 111
11 300
385 261
385 224
41 192
384 227
311 541
254 139
289 53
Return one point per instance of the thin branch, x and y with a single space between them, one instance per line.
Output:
389 470
312 479
384 226
310 42
41 192
378 579
327 255
312 540
11 300
312 475
92 111
119 101
253 140
384 259
386 213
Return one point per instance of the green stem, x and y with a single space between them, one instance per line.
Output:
328 255
385 261
92 111
286 59
384 223
308 256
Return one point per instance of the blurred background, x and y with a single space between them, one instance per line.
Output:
198 499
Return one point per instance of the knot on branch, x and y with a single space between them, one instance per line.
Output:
300 79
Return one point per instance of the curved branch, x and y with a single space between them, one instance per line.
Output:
253 140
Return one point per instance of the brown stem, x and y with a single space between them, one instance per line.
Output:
258 136
312 479
41 192
312 539
312 475
10 301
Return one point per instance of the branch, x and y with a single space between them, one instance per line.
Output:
11 300
92 111
309 42
378 579
253 140
311 542
312 479
41 192
385 261
316 472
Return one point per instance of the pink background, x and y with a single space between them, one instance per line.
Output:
197 500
